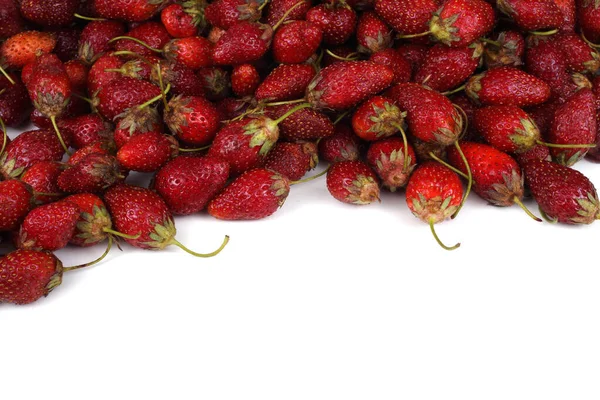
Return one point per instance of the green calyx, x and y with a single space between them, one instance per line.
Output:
443 29
526 136
589 209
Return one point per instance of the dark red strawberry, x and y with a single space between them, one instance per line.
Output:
505 49
372 33
343 145
537 152
563 194
27 149
533 15
226 13
467 109
95 39
128 10
413 53
187 184
377 118
194 52
180 22
568 9
11 21
86 129
123 93
149 35
182 79
147 152
434 194
43 178
296 41
588 16
231 107
50 13
255 194
336 20
77 73
67 43
594 154
216 83
23 48
193 120
16 199
140 212
428 151
292 160
105 147
37 233
394 60
94 173
387 158
353 182
94 224
244 80
339 54
102 72
305 124
406 17
345 84
285 82
15 105
242 43
134 122
507 128
580 57
278 8
139 68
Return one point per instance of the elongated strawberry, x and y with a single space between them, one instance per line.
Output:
95 39
434 194
345 84
588 16
343 145
508 128
123 93
15 104
296 42
336 20
278 8
286 82
242 43
226 13
23 48
37 234
563 194
27 149
304 124
533 15
372 33
505 49
292 160
16 200
256 194
194 120
50 13
407 18
353 182
128 10
538 152
580 57
43 178
143 213
396 62
94 173
387 158
145 39
187 184
86 129
99 147
194 52
103 71
244 80
147 152
507 86
569 11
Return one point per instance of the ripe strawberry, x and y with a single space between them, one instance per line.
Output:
15 105
181 78
407 18
588 16
67 43
508 50
292 160
26 276
336 20
139 211
153 34
343 145
50 13
532 15
187 184
231 107
507 86
244 80
124 93
28 149
434 194
136 121
77 73
426 150
147 152
445 68
216 83
179 22
277 9
105 147
194 52
568 9
43 178
138 68
377 118
49 86
580 57
86 129
23 48
594 154
94 224
255 194
16 199
242 43
459 23
345 84
563 194
305 124
94 173
507 128
387 158
226 13
193 120
372 33
11 21
537 152
128 10
37 234
413 53
102 72
462 101
353 182
394 60
296 41
285 82
95 39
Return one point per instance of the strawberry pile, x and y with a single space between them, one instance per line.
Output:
229 103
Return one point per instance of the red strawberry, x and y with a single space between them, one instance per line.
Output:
102 72
387 158
507 86
192 120
15 105
336 20
426 151
394 60
242 43
538 152
580 57
139 211
255 194
95 39
11 21
147 152
568 9
305 124
533 15
296 41
343 145
277 9
77 73
182 79
292 160
99 147
49 86
216 83
16 199
594 154
27 149
94 173
138 68
285 82
50 13
136 121
194 52
244 80
128 10
434 194
86 129
413 53
153 34
124 93
37 234
179 22
508 50
353 182
26 276
588 16
462 101
345 84
459 23
226 13
231 107
377 118
94 224
372 33
406 17
187 184
23 48
339 54
563 194
43 178
507 128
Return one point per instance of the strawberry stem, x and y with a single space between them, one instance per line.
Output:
283 103
454 91
416 35
60 138
492 42
7 76
119 70
590 43
469 178
445 164
566 146
290 112
37 194
155 99
88 18
263 5
278 24
340 117
2 91
546 33
96 261
351 56
89 101
162 87
405 140
182 150
119 234
214 253
546 217
518 202
138 41
310 178
437 239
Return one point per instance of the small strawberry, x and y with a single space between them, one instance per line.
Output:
23 48
563 194
147 152
226 13
588 16
537 152
343 145
377 118
507 128
37 234
50 13
127 10
124 93
353 182
255 194
15 105
86 129
533 15
194 52
94 173
28 149
387 158
393 59
16 200
505 49
278 8
242 43
336 20
95 39
11 21
179 22
406 17
372 33
345 84
144 39
192 120
296 41
305 124
77 73
292 160
187 184
285 82
244 80
43 178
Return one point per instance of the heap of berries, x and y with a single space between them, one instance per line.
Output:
228 103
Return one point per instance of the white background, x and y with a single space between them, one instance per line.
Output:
322 301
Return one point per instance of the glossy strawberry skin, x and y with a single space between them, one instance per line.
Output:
386 158
292 160
122 93
406 18
43 178
459 23
194 52
396 62
95 37
94 173
49 86
226 13
305 124
48 227
377 118
588 15
11 21
127 10
49 13
372 33
256 194
244 80
194 120
343 145
178 22
244 42
100 147
353 182
533 15
277 8
16 199
296 42
92 222
15 104
508 128
580 57
86 129
27 149
285 82
98 77
337 21
147 152
154 34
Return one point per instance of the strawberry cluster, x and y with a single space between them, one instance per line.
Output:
229 103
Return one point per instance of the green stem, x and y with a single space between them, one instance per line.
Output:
445 164
469 178
454 91
88 18
546 217
416 35
214 253
566 146
155 99
181 150
405 140
2 91
278 24
590 43
437 239
119 70
60 139
465 119
332 54
7 76
110 242
492 42
263 5
290 112
341 117
283 103
138 41
37 194
310 178
547 33
89 101
119 234
518 202
162 87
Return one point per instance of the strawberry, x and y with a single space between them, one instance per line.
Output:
226 13
574 123
434 194
507 128
192 120
507 49
393 59
532 15
15 105
594 154
28 148
278 8
105 147
43 178
94 173
139 211
50 13
413 53
507 86
94 223
77 73
86 129
343 145
134 122
124 93
377 118
147 152
244 80
285 82
426 151
49 86
67 43
588 16
152 34
463 103
445 68
182 79
23 48
231 107
338 54
563 194
216 83
179 22
296 41
127 10
194 52
11 21
353 182
242 43
336 20
187 184
387 158
305 124
255 194
568 9
345 84
16 199
139 68
372 33
26 276
95 39
37 233
537 152
580 57
103 71
459 23
292 160
406 17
